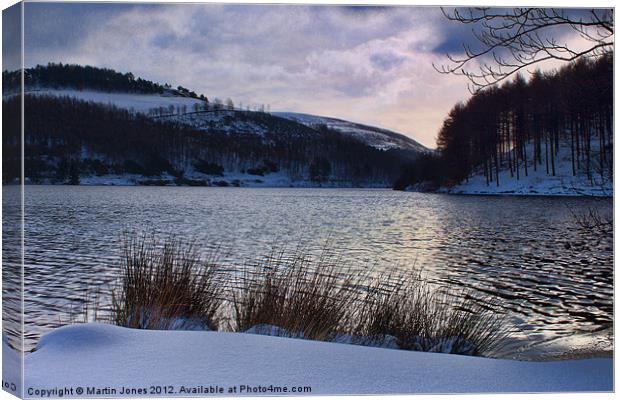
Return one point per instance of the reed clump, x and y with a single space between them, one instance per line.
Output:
303 296
424 318
165 286
294 294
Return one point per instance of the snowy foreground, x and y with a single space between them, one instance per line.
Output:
106 360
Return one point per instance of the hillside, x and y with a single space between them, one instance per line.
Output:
538 181
372 136
72 76
153 134
171 105
550 134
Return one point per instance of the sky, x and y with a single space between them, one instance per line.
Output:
367 64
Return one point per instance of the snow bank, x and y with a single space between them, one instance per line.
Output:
106 356
538 182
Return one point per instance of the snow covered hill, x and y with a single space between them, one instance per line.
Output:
377 137
176 137
238 148
185 110
194 363
538 181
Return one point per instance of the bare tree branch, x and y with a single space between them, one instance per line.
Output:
521 37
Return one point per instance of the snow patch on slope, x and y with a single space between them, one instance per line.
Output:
222 120
136 102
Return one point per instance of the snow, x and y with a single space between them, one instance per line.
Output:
132 101
446 345
383 341
283 179
223 120
106 356
229 178
111 180
11 367
538 182
382 139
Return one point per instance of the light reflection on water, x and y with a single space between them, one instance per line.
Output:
554 280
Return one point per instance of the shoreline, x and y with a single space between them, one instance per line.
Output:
533 354
327 186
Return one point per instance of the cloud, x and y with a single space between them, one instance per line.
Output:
368 64
11 38
386 60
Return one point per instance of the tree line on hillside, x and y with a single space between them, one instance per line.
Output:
66 138
81 77
214 106
498 127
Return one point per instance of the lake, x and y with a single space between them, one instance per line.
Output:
554 280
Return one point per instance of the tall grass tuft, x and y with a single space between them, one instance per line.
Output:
294 294
426 319
166 286
303 296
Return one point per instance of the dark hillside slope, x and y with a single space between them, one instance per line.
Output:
67 138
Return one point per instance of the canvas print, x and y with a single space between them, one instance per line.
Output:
218 199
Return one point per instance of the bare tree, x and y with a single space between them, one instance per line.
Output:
230 105
593 222
515 39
